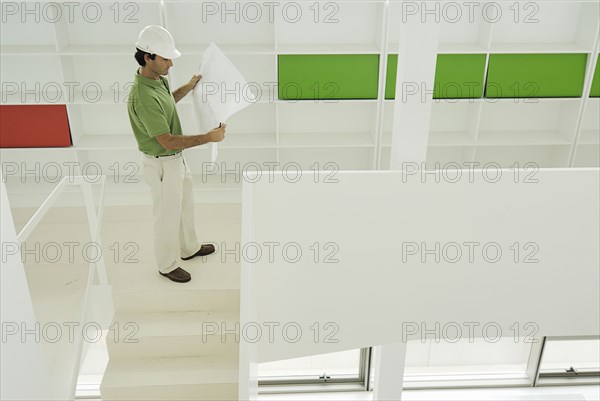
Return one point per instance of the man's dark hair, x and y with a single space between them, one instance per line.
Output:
139 56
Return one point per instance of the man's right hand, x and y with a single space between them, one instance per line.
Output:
217 134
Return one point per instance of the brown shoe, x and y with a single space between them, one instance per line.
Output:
178 275
204 250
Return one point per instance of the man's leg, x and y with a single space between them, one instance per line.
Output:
188 239
165 176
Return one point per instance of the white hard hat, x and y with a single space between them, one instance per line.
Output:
155 39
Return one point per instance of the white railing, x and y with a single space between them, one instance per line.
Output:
103 290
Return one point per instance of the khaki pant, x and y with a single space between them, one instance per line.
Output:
171 186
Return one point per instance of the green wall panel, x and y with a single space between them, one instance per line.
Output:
390 76
457 76
595 91
535 75
354 76
328 76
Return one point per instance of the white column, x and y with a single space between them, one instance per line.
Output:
417 56
389 372
248 356
417 53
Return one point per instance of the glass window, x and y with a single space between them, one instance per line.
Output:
337 365
470 361
466 357
564 355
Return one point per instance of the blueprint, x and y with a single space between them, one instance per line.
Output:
220 93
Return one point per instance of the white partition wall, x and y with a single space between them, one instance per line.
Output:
366 258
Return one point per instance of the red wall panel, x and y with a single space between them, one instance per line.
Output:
33 126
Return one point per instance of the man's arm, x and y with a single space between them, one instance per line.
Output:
178 142
185 89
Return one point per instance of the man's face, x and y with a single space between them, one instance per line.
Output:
159 65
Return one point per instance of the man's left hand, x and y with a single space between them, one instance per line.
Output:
194 81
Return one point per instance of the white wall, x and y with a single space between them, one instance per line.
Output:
372 297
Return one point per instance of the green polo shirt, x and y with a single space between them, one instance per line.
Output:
152 112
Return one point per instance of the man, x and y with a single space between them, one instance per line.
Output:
157 129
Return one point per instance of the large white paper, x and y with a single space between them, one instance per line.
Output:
220 93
